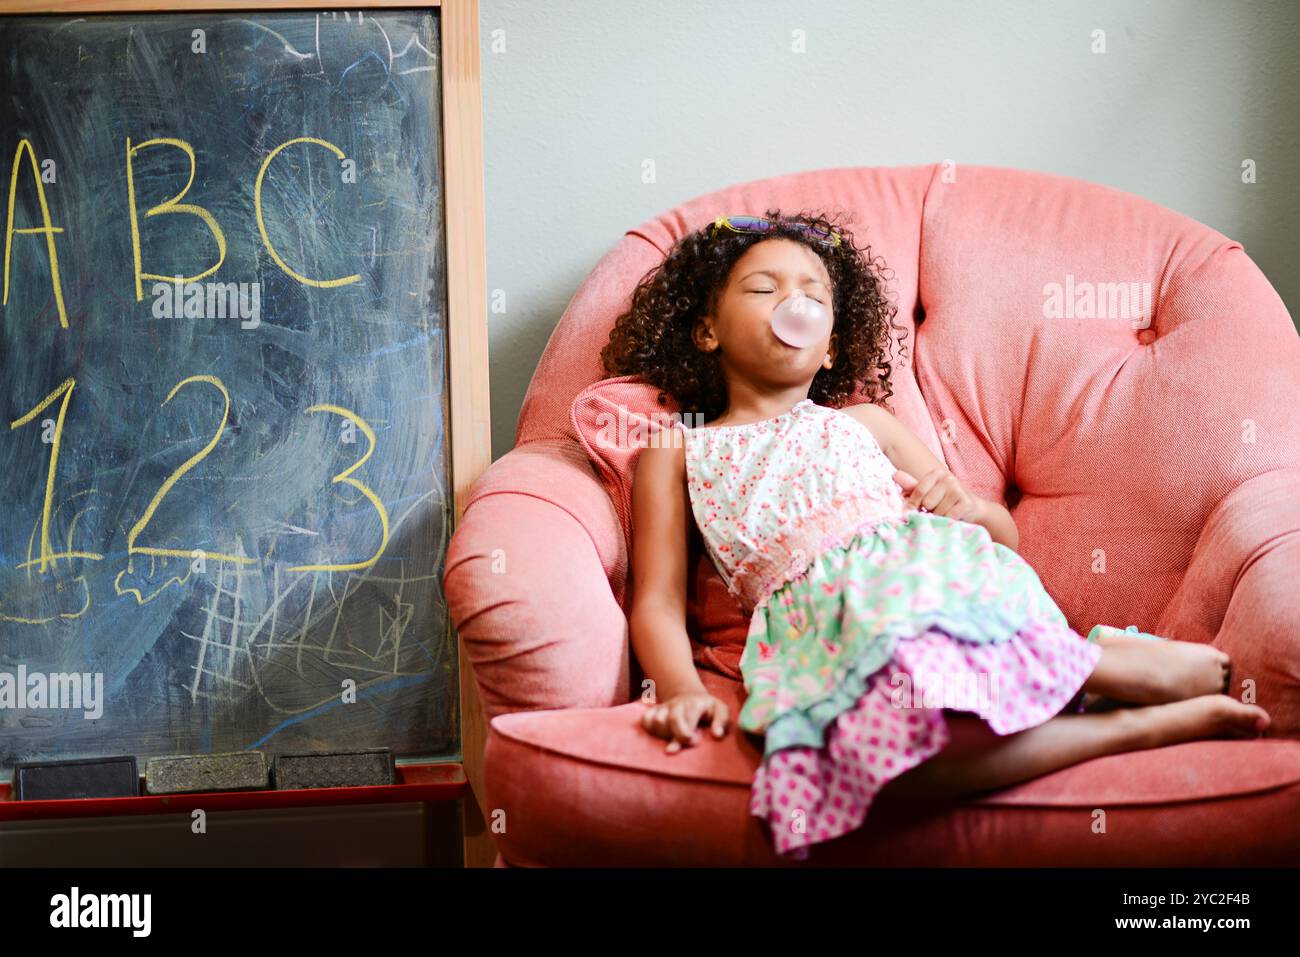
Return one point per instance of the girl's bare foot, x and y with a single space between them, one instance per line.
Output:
1146 671
1205 716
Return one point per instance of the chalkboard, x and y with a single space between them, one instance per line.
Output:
224 475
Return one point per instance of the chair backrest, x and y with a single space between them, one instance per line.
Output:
1109 368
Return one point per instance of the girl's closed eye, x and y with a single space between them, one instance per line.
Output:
763 291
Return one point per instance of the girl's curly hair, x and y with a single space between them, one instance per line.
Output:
653 338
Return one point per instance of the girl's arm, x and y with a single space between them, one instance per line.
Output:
660 513
910 454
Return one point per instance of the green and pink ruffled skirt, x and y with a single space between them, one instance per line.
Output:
850 667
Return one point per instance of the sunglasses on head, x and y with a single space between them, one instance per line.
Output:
757 224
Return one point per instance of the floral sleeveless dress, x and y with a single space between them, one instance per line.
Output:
869 619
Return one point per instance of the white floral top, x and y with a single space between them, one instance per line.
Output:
770 496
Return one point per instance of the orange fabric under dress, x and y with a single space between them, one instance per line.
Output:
720 627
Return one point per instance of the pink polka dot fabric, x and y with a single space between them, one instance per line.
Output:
808 796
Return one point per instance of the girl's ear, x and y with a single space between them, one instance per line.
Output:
703 336
831 351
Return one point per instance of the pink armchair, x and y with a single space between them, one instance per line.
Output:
1151 460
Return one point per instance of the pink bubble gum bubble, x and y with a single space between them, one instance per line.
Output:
800 321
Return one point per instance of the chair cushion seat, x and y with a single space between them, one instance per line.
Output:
589 787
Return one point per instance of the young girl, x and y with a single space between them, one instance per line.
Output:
896 638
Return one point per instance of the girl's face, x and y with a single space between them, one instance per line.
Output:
741 325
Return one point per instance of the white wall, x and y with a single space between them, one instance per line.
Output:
586 91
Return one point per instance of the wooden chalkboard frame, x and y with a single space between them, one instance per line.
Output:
466 263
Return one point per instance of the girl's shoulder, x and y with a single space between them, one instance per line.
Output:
878 420
867 413
659 466
870 415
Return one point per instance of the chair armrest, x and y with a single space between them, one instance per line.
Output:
535 575
1241 593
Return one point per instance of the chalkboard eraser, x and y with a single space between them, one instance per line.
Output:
333 769
86 778
188 773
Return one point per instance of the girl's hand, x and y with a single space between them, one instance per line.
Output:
941 493
678 718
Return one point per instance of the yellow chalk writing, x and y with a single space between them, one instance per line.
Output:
172 205
359 486
261 223
47 228
131 546
65 390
